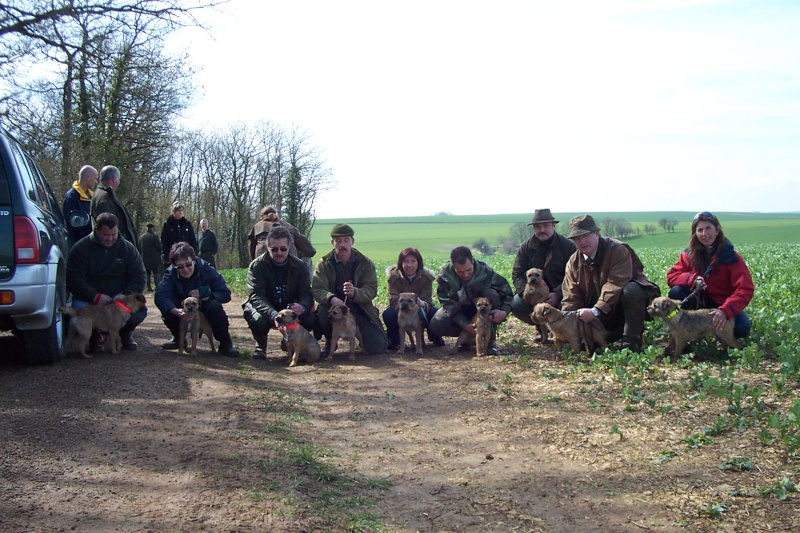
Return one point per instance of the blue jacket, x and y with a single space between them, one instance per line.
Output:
173 289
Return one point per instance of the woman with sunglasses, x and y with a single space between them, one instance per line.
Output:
188 275
710 275
409 275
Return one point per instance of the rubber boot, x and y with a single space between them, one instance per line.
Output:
126 336
492 350
634 307
260 351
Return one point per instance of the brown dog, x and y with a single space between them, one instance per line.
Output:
567 328
109 317
344 327
199 324
409 322
684 326
300 344
536 291
483 328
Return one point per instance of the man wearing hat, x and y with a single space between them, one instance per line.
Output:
150 247
345 276
546 250
605 281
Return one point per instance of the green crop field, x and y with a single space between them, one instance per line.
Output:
435 236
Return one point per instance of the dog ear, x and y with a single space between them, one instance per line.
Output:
345 309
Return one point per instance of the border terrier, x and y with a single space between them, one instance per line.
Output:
199 324
536 291
483 329
343 325
684 326
409 322
109 317
300 344
567 328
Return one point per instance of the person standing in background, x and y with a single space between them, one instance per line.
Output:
150 248
207 244
79 198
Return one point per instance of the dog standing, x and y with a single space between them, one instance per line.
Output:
109 317
567 328
483 328
409 322
300 344
194 327
684 326
536 291
344 327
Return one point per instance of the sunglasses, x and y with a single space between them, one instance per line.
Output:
185 266
279 249
705 214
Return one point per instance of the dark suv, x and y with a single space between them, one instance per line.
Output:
33 256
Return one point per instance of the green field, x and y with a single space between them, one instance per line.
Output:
435 236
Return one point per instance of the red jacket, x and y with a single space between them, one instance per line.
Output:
728 280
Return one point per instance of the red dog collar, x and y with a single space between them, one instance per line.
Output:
125 307
293 326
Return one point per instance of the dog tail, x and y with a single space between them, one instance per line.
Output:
67 311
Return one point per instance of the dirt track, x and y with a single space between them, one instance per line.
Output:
150 441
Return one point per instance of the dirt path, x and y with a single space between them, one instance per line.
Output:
150 441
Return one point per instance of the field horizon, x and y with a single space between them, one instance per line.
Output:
382 238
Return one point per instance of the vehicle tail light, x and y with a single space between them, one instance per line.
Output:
26 241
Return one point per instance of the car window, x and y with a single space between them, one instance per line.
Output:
32 187
50 203
5 192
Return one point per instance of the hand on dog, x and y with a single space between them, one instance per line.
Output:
194 293
586 314
470 329
336 301
297 308
552 299
718 318
104 299
496 316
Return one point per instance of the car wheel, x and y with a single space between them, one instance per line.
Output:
46 346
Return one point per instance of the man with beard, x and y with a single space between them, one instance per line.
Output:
347 277
546 250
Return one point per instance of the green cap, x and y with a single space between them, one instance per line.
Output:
342 230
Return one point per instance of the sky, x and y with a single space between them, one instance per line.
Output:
498 107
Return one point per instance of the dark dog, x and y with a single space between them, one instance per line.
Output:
409 322
684 326
199 324
536 291
567 328
109 317
300 344
483 328
344 327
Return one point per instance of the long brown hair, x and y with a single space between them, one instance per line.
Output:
699 256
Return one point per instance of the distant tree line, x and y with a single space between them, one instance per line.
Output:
113 96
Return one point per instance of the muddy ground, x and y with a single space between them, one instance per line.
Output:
152 441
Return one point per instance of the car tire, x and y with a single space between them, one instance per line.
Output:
46 346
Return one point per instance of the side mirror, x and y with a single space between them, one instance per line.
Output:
78 219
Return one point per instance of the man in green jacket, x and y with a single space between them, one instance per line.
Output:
458 284
101 267
547 250
345 276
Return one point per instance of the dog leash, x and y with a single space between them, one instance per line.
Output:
693 294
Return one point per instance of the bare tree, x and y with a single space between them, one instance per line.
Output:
520 232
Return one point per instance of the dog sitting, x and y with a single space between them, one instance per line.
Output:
344 327
300 344
684 326
567 328
483 329
536 291
108 317
409 322
199 324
